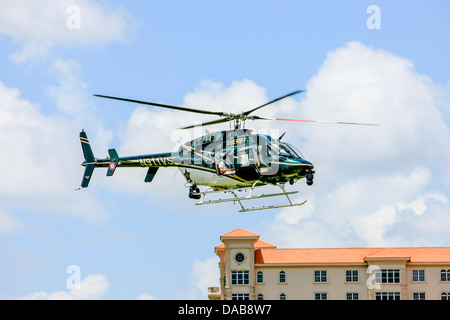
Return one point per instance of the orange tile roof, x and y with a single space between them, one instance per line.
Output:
430 254
239 233
350 255
281 256
266 253
264 245
259 244
388 253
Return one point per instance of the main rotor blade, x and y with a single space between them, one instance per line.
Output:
316 121
246 113
207 123
164 105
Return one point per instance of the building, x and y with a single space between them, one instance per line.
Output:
253 269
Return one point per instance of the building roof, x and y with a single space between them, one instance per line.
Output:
266 253
351 255
259 244
239 233
388 253
283 256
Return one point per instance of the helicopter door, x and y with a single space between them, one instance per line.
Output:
247 164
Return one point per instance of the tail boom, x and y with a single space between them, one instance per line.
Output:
150 161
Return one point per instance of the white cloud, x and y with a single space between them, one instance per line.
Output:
419 204
41 24
70 94
238 97
146 296
370 180
357 83
41 151
91 288
292 215
374 227
31 50
204 274
41 159
8 224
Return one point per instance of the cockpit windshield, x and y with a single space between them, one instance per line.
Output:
294 151
287 151
284 149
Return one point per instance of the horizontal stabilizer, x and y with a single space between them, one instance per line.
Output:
87 151
87 175
89 158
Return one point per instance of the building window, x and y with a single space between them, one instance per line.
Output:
445 296
445 275
282 296
259 277
320 276
351 276
240 296
418 295
387 296
240 277
282 277
320 296
387 276
260 297
352 296
418 275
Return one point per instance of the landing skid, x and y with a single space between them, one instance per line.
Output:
250 196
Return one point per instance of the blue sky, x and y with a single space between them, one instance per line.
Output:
387 186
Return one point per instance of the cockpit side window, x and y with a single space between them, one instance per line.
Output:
286 152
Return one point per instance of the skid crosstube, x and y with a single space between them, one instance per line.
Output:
250 196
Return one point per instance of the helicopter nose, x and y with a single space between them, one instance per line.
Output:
309 173
306 162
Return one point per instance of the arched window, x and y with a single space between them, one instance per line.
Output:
282 277
445 275
260 297
445 296
282 296
259 277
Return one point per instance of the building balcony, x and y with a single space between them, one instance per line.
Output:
213 293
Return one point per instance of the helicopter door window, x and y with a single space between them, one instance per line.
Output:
223 165
262 155
243 160
273 151
209 152
243 157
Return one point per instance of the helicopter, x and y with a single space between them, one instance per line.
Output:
228 161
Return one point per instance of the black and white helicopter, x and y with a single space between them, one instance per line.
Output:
231 161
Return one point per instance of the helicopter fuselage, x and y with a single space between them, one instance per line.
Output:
222 160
